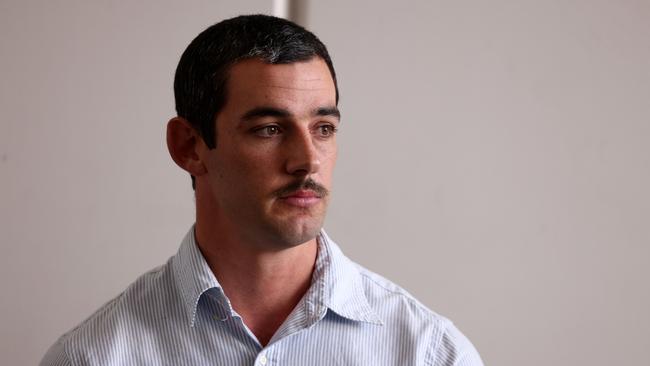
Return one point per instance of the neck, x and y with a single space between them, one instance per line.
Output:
263 286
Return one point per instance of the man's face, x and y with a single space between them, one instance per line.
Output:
271 171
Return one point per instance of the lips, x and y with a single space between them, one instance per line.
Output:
302 193
302 198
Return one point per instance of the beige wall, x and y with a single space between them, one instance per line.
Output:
495 159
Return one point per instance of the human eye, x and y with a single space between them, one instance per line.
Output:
327 130
267 131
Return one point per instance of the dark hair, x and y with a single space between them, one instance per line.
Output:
202 72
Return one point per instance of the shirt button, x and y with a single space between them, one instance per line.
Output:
263 359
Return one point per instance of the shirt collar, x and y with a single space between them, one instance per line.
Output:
192 274
336 283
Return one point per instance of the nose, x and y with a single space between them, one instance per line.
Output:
302 156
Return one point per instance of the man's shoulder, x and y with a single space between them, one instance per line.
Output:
139 307
402 312
384 293
144 297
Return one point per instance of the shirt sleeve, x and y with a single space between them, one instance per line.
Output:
454 349
56 356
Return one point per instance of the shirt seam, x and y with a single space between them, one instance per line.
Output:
401 293
432 353
66 345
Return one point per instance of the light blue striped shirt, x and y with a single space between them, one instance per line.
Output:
177 314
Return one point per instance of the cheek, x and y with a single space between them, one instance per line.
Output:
248 168
328 163
330 155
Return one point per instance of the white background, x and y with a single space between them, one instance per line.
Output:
494 161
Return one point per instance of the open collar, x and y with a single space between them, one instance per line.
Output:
193 275
336 283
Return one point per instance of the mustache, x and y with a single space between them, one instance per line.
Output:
308 184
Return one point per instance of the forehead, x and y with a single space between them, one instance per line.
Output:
253 82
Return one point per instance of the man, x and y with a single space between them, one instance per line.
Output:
256 281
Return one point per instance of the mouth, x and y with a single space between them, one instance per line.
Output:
302 194
303 198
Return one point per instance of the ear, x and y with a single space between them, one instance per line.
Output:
184 144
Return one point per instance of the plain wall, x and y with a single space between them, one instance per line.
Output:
494 161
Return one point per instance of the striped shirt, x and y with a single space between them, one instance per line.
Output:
177 314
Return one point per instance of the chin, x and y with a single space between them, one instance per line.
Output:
294 234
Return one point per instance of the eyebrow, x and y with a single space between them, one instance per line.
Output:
259 112
328 111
